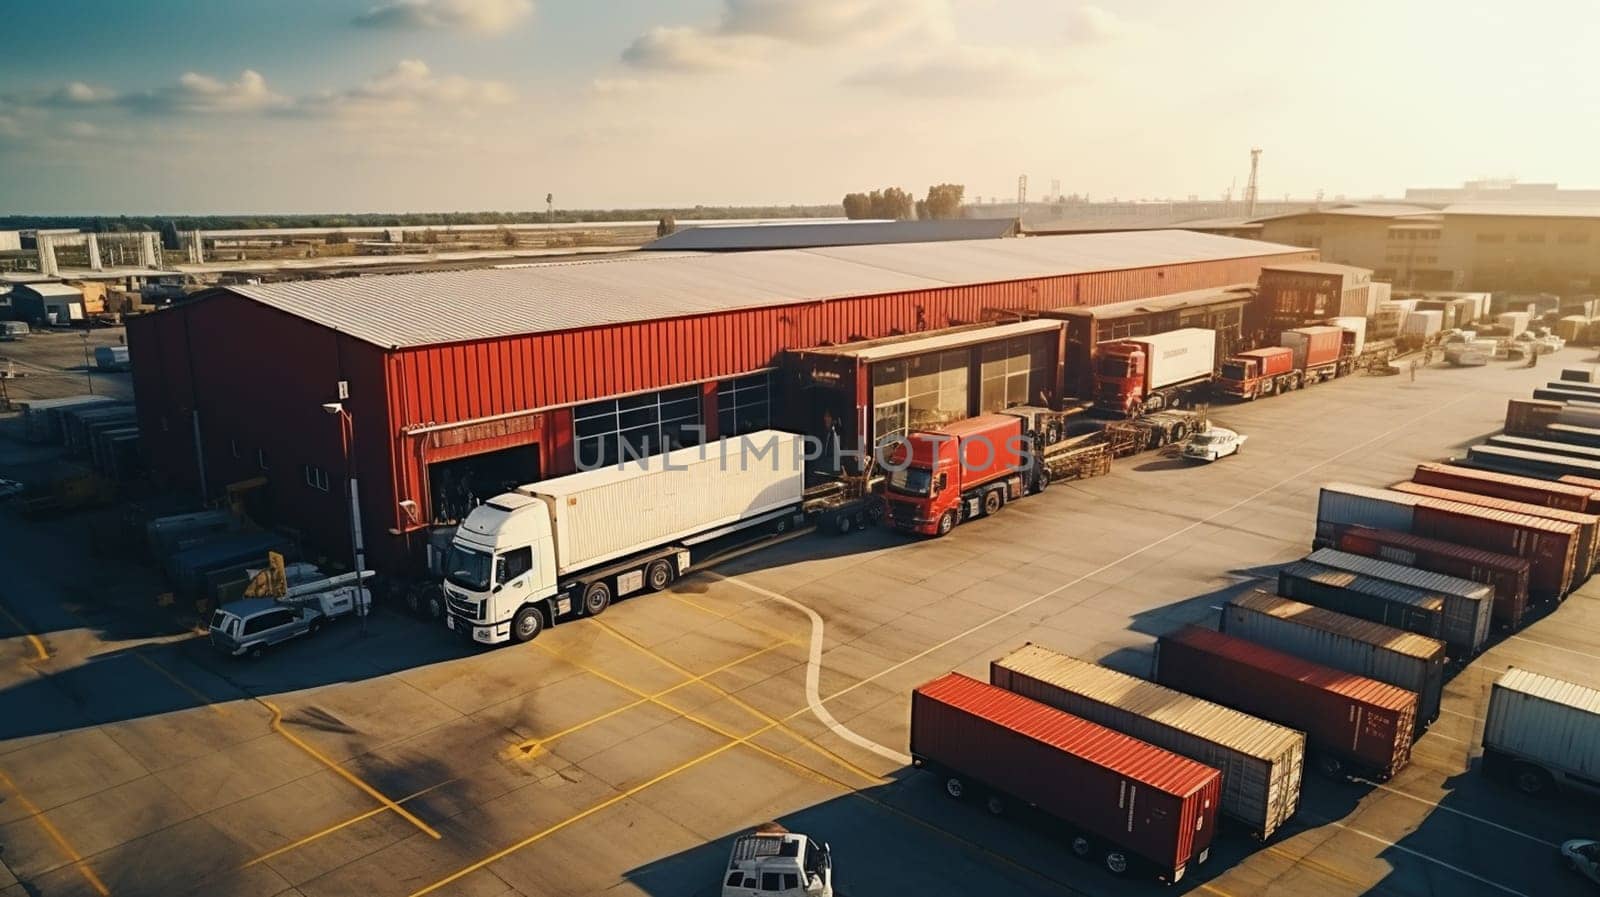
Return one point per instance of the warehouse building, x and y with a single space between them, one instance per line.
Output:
457 384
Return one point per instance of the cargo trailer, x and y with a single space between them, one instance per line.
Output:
1506 573
1353 724
1261 762
1366 597
1123 802
1538 464
1468 605
1149 373
1564 496
1546 446
1404 659
188 569
1568 396
1537 418
1588 524
1543 733
1318 352
1346 504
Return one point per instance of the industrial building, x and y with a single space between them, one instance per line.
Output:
461 383
803 234
46 302
1293 293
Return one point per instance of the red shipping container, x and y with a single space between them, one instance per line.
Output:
1566 496
1320 345
1549 546
1588 524
1507 573
1139 799
1350 721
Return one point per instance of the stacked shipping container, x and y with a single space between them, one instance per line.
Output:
1588 524
1508 575
1468 605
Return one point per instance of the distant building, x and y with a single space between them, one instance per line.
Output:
1501 190
808 234
55 303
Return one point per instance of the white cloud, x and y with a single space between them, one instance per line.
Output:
483 16
1090 24
81 94
958 70
617 87
408 88
197 94
682 48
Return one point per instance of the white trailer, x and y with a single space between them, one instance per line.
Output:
1149 373
1543 733
560 547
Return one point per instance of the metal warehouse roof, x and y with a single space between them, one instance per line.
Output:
429 308
1166 302
54 290
1524 210
1362 210
954 338
724 238
1317 268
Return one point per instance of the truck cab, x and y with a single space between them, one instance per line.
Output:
970 468
778 864
1119 376
1258 372
502 558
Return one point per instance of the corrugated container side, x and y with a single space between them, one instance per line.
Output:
1358 721
1508 574
1179 355
1532 490
1468 605
1588 524
1261 762
1346 504
1529 444
1409 661
1520 461
1551 547
1364 597
1156 804
1551 722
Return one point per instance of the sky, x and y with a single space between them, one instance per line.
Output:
240 106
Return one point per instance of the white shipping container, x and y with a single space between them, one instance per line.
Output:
1346 504
1403 659
1547 722
1468 605
1360 300
1261 762
1423 323
600 515
1356 325
1516 320
1179 356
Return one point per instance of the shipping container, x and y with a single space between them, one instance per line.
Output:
1422 325
1579 375
1356 325
1313 347
1352 723
1543 733
1522 462
1511 487
1468 605
1346 504
1550 546
1260 762
1515 321
1538 419
1124 802
1579 386
1507 573
187 568
1366 597
1588 524
1569 396
1546 446
1404 659
176 532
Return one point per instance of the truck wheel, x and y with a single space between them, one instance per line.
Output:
1531 780
1180 431
996 805
256 651
955 787
658 575
527 624
1042 481
842 524
1082 847
947 522
596 598
993 501
781 525
1330 767
314 628
1116 862
434 604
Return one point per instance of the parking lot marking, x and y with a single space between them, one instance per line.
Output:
38 644
347 775
295 845
814 675
758 713
748 624
526 747
62 844
204 700
1424 857
1306 861
1478 819
1534 641
1477 719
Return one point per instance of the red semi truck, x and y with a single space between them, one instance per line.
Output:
970 468
1149 373
1308 355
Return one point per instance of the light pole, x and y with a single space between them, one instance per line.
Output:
88 368
347 438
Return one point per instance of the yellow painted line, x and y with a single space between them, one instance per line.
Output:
295 845
531 743
748 624
347 775
204 700
759 714
62 844
38 643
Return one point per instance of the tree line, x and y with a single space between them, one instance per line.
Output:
942 201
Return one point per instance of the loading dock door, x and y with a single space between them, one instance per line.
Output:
456 487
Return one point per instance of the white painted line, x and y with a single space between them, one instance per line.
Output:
814 675
1424 857
1138 551
1534 641
1441 735
1476 719
1465 815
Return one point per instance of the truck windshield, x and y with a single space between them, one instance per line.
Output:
911 481
468 568
1114 366
1234 370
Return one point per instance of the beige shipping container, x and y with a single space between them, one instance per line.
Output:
1261 762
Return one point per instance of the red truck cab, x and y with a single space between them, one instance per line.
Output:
1119 375
1258 372
970 468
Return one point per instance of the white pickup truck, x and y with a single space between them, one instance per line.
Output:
775 862
252 625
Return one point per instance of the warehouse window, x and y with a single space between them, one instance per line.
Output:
647 424
744 405
1013 372
316 477
1491 238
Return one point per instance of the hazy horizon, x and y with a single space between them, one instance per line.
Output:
188 107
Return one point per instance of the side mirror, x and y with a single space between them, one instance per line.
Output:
497 587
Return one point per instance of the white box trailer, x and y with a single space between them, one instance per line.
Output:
1543 733
1179 356
1423 324
1356 325
571 544
1261 762
1340 505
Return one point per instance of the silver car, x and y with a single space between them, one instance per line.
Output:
1583 856
251 626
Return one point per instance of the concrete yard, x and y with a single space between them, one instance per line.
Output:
52 363
619 754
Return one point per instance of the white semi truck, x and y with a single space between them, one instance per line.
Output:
571 545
